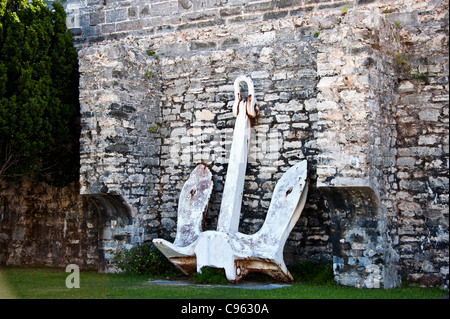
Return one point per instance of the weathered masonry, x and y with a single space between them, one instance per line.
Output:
357 88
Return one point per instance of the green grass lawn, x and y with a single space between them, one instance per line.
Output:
31 283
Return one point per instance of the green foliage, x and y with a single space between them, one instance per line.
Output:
144 259
152 53
400 59
344 9
38 86
210 275
312 273
421 76
149 74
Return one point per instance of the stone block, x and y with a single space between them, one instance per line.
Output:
202 45
204 115
404 19
164 8
406 87
275 15
429 115
260 39
116 15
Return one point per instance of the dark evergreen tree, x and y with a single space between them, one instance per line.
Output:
38 87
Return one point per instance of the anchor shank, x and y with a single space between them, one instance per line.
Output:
230 208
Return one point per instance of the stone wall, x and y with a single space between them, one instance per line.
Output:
42 225
120 119
197 99
422 144
45 225
356 142
196 122
358 88
331 79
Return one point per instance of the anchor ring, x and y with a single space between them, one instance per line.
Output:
251 107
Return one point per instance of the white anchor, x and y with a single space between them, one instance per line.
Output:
235 252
